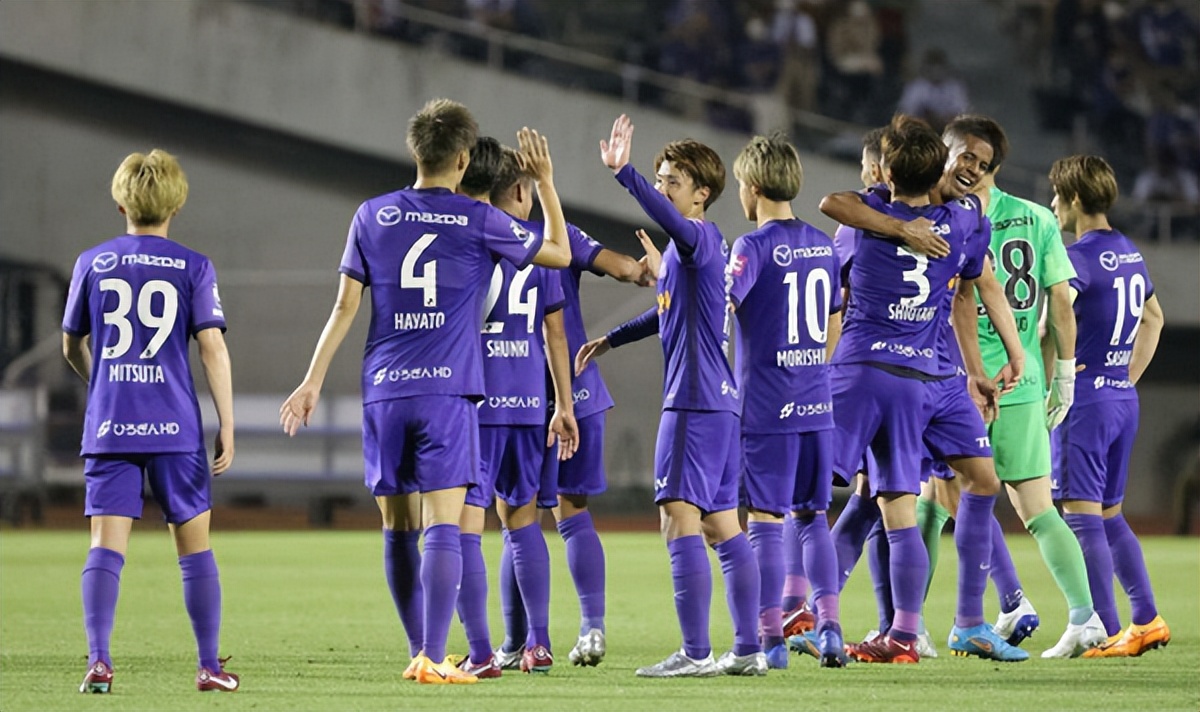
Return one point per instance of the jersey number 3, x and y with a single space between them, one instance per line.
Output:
162 323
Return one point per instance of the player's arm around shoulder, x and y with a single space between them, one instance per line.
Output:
848 208
214 355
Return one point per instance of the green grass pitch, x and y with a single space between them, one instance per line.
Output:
311 626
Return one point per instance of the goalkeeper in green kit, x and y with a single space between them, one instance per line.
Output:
1031 263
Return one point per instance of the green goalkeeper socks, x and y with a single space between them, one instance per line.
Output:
931 520
1063 556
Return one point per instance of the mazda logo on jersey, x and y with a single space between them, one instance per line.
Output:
104 262
782 254
388 215
1109 261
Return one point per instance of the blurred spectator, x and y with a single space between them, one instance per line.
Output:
794 28
1165 33
935 95
1167 183
759 57
852 48
694 45
1116 117
1172 126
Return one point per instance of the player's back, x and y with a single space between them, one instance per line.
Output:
784 281
514 357
1113 285
427 256
900 297
140 297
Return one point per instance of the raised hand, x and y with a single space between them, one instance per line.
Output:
535 154
615 151
650 263
590 351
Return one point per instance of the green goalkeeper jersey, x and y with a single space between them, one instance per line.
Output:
1028 256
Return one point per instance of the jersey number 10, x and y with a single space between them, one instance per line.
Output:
816 309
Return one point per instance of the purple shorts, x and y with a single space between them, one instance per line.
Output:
696 459
510 464
420 444
584 473
1097 439
180 483
885 412
955 428
932 467
787 471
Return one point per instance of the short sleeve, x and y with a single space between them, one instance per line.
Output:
845 242
76 316
976 250
744 266
1080 280
555 299
207 312
353 264
835 279
583 249
506 238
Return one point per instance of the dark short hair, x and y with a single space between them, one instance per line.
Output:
1089 178
441 130
983 128
914 154
509 172
485 164
871 141
698 162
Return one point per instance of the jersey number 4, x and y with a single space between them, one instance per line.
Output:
519 301
162 323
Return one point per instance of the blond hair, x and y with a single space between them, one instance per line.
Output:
151 188
771 164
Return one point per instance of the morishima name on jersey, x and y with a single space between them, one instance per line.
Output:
428 256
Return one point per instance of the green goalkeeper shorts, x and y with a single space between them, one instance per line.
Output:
1020 442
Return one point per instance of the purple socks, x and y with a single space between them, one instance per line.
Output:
795 582
742 592
516 626
692 578
472 599
973 539
813 532
1003 573
441 573
531 566
585 560
202 599
1089 530
879 558
850 532
909 569
101 582
1131 569
402 568
767 540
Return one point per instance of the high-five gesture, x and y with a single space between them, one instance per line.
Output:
535 154
652 261
615 151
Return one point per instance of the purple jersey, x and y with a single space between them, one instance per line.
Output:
899 298
428 256
591 395
1113 286
784 283
140 297
846 238
976 249
514 348
692 305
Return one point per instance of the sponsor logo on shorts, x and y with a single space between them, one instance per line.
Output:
728 390
805 409
514 402
103 429
581 395
983 441
901 349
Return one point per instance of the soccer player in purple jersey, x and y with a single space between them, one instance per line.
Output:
522 328
1119 324
696 456
133 302
427 254
886 361
785 288
567 485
